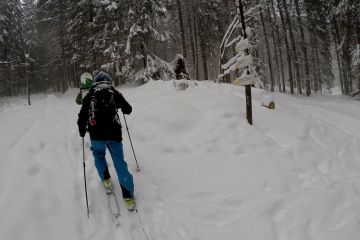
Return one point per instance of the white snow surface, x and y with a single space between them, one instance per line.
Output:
206 174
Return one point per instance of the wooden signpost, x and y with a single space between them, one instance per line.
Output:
247 86
242 62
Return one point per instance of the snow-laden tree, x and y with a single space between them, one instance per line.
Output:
208 19
345 19
142 16
97 33
319 47
29 13
53 39
11 33
11 47
291 45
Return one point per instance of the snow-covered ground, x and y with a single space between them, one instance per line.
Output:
206 174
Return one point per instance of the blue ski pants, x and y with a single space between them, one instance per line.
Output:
116 151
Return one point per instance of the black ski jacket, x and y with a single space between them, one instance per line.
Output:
109 131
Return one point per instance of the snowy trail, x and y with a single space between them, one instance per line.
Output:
32 186
205 174
42 177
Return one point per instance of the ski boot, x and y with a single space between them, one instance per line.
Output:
108 185
130 204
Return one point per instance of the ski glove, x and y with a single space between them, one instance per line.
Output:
82 132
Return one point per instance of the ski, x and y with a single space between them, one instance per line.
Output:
137 223
113 205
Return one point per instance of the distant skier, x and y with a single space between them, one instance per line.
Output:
86 81
98 114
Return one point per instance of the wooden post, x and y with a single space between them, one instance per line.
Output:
247 87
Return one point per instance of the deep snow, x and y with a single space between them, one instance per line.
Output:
206 174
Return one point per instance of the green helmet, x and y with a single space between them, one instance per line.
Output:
86 81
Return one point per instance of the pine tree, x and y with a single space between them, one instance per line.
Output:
287 45
303 48
298 38
52 19
141 30
12 39
266 39
182 30
11 46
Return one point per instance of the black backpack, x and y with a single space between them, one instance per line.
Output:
103 109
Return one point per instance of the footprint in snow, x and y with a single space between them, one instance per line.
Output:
168 150
33 171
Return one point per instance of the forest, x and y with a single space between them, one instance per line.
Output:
298 46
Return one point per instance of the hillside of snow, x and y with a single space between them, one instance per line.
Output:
205 173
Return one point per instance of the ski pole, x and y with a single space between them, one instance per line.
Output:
87 203
138 168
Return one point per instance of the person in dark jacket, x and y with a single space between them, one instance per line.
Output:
106 133
180 69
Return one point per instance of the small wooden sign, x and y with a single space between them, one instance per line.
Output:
244 61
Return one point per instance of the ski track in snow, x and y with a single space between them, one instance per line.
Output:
205 173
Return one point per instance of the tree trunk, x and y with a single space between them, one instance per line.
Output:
303 42
62 44
181 21
346 56
292 40
357 34
291 80
191 34
268 50
336 37
263 60
347 53
204 57
196 37
316 63
143 51
315 81
11 80
318 70
27 82
276 47
75 76
278 40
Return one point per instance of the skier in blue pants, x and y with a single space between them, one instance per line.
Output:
98 115
116 152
